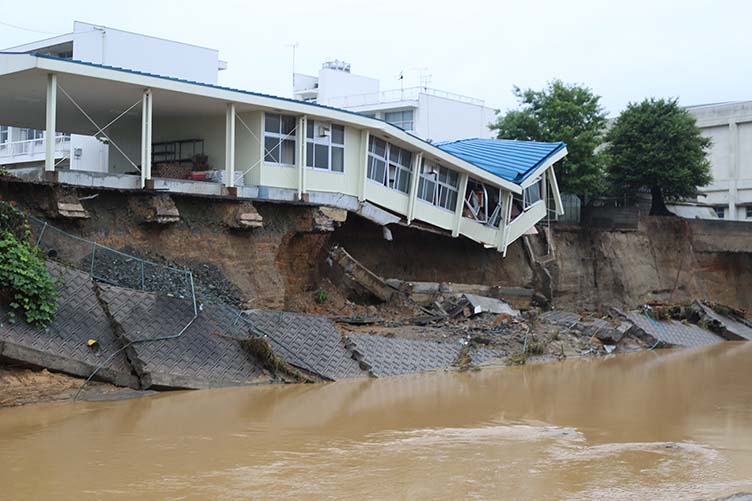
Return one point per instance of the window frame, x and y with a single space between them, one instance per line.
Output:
720 211
748 211
328 142
401 122
431 172
280 138
391 151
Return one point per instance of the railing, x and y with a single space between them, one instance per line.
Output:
396 95
32 147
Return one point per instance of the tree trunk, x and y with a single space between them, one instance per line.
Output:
658 206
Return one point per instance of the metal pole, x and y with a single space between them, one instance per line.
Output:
142 276
49 138
93 253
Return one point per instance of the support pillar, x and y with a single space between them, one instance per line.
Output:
414 180
51 115
506 214
363 167
146 139
302 156
460 205
230 147
733 174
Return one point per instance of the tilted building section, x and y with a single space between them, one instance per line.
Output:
256 146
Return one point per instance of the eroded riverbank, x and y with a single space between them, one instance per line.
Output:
650 425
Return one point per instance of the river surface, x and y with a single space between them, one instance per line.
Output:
652 425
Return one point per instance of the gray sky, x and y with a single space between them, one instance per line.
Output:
696 50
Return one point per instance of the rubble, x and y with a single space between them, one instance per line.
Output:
244 217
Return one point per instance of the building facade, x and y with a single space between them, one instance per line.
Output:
420 110
729 126
111 47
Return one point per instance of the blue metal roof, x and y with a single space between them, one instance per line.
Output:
508 159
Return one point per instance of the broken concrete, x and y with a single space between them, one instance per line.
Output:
729 326
482 304
150 327
158 209
308 342
327 219
63 345
668 333
244 217
358 277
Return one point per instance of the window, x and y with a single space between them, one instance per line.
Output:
389 164
720 212
402 119
532 193
749 211
325 146
4 134
279 139
438 185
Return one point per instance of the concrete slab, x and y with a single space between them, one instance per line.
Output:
63 345
309 342
202 357
673 333
738 329
392 357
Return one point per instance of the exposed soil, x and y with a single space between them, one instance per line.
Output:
21 386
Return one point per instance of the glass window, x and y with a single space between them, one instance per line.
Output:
279 139
532 193
720 212
4 134
402 119
325 146
749 212
389 164
438 185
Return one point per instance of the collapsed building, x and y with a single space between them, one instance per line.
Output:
177 136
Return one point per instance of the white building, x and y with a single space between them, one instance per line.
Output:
420 110
110 47
729 125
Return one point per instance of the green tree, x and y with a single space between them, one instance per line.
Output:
655 145
562 112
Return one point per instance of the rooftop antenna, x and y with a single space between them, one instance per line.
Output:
293 46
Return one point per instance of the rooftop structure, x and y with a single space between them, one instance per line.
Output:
259 147
421 110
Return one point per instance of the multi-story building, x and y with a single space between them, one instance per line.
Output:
729 126
420 110
21 146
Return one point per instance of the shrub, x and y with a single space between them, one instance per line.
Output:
24 278
320 296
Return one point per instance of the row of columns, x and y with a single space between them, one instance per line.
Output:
230 114
146 134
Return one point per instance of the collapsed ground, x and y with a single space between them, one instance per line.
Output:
289 263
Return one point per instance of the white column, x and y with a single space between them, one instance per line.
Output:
363 168
733 169
506 215
414 180
146 137
230 146
301 158
49 137
460 204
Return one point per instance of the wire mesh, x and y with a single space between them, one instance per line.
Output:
109 265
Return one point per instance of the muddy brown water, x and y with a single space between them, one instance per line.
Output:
652 425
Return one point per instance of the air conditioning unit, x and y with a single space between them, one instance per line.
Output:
324 131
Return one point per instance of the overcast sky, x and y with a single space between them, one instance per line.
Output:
698 51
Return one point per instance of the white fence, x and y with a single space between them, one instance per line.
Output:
395 95
32 148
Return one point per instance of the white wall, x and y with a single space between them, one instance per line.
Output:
441 119
729 126
94 154
336 83
145 53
